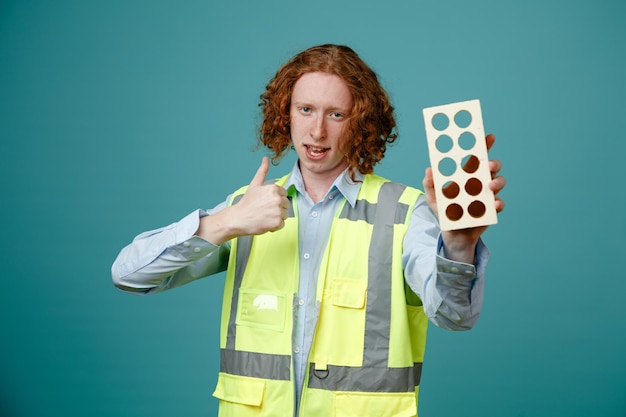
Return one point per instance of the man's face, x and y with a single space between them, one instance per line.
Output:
320 105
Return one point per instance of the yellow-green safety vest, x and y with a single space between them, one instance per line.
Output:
370 336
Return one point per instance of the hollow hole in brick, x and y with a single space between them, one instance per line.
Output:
451 189
454 212
463 119
447 166
470 164
444 143
476 209
473 186
440 121
467 141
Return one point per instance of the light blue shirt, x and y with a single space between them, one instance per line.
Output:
451 292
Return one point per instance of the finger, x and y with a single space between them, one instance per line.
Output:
490 139
497 184
427 182
429 188
259 177
495 166
499 205
282 224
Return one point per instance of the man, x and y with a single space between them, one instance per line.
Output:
332 272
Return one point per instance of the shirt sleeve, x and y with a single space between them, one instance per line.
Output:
168 257
451 292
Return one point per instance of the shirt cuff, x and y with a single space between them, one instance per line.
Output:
187 244
461 268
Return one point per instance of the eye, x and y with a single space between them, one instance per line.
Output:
336 115
305 109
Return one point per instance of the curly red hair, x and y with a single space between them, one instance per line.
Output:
371 123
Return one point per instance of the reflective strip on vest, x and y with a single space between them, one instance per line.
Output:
345 378
375 375
255 365
380 216
244 243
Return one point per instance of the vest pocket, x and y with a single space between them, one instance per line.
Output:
349 293
341 325
354 404
261 309
239 396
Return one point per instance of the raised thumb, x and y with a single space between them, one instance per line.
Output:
259 177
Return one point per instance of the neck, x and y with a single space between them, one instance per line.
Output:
317 184
317 189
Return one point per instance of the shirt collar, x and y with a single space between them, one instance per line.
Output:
343 183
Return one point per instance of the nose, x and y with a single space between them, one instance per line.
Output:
318 130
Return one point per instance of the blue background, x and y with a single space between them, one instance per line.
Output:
121 116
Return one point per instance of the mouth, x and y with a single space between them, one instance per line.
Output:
315 152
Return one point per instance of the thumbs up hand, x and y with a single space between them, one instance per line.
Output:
263 208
